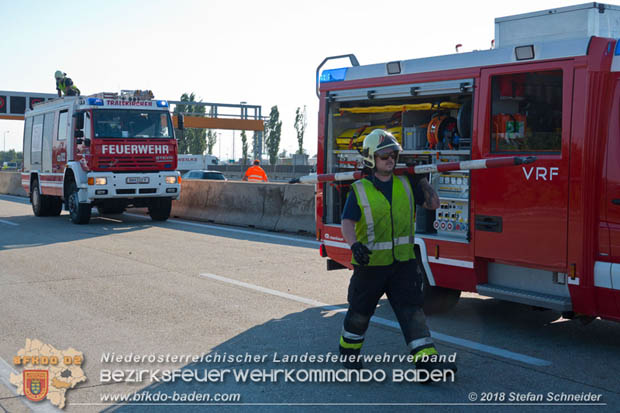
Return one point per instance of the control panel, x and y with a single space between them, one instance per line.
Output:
452 216
453 185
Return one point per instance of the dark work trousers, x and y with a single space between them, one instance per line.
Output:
402 282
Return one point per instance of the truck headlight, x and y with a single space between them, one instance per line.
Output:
171 179
97 181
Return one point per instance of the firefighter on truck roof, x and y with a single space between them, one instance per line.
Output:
64 85
378 223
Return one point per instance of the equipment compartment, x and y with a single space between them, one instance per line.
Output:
431 129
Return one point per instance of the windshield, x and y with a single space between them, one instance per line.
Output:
213 175
124 123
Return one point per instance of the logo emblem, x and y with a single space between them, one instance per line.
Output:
36 384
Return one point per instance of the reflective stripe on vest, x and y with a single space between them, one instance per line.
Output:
61 85
256 173
387 230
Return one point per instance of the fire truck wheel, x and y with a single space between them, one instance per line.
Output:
439 300
54 206
80 213
40 203
160 208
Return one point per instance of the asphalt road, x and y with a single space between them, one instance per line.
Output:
125 285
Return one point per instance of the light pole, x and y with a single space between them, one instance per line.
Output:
4 145
243 116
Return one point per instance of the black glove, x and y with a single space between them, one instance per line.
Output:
361 253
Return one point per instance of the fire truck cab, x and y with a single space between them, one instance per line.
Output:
108 150
545 234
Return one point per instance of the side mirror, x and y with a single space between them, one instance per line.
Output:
79 133
79 121
181 121
87 142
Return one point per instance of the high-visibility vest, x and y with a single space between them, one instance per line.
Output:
67 90
387 230
256 174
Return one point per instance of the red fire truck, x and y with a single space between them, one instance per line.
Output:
545 234
107 150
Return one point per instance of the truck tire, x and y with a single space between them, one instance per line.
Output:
160 208
438 300
54 206
79 213
37 200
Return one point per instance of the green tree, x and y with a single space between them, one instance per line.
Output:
300 126
211 136
194 139
211 140
273 130
244 147
256 146
11 156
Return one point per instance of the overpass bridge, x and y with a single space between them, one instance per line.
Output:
220 115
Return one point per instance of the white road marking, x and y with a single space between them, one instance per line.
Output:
8 222
461 342
5 375
238 231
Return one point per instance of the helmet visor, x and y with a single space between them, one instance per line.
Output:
388 143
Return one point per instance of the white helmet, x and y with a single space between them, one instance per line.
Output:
377 140
59 74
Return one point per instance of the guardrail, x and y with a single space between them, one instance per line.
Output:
270 206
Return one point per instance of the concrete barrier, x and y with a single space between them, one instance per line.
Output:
271 206
11 184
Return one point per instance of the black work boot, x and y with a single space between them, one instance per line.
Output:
356 363
428 360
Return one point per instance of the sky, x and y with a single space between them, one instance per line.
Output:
260 52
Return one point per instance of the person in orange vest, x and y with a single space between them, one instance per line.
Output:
255 173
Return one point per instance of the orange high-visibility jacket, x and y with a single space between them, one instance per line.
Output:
256 174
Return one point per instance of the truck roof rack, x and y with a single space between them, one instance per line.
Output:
125 94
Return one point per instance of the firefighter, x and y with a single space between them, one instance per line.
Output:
64 85
255 173
378 223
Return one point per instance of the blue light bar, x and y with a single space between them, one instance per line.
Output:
95 101
334 75
617 52
162 103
